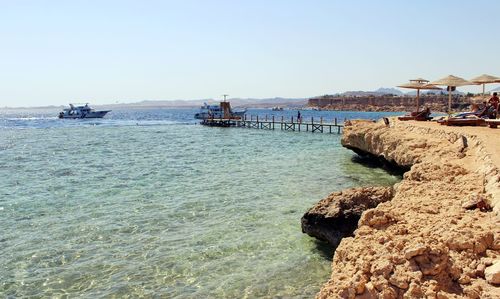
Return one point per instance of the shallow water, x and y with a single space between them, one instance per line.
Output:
150 203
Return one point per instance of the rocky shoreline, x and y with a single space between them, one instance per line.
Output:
435 234
337 216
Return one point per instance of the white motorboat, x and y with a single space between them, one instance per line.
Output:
222 110
83 111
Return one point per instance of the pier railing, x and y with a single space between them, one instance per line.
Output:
282 123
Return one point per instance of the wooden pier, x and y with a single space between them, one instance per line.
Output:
283 124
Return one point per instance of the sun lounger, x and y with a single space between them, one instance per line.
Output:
419 116
492 123
469 120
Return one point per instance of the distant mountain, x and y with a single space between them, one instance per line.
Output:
443 91
386 91
235 102
394 91
414 92
156 104
379 92
358 93
269 102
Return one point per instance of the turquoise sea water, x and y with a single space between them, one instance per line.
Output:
148 203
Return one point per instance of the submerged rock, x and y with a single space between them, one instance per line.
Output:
337 216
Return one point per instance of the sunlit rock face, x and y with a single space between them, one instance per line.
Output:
438 237
337 216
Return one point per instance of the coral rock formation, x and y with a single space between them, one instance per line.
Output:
438 237
337 216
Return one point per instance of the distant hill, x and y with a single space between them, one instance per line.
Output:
394 91
269 102
379 92
235 102
256 103
431 92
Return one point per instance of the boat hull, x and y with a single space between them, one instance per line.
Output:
206 115
93 114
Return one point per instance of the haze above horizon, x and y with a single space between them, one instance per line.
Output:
105 52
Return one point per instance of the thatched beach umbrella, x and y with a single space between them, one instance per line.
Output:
420 80
485 79
418 84
452 82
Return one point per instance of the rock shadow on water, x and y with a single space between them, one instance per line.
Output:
371 161
337 216
324 249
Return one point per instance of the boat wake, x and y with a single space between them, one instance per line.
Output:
30 118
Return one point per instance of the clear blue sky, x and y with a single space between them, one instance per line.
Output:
56 52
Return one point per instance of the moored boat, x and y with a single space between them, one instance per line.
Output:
222 110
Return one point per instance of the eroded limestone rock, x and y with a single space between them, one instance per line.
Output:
492 273
337 216
434 238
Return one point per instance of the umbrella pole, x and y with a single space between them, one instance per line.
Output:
483 89
449 101
418 97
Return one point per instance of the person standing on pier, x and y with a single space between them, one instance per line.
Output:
299 117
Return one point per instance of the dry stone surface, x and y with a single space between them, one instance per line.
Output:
337 216
429 241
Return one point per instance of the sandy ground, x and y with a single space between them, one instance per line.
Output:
490 137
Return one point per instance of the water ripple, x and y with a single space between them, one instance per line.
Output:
164 210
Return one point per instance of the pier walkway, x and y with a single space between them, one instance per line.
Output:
282 124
